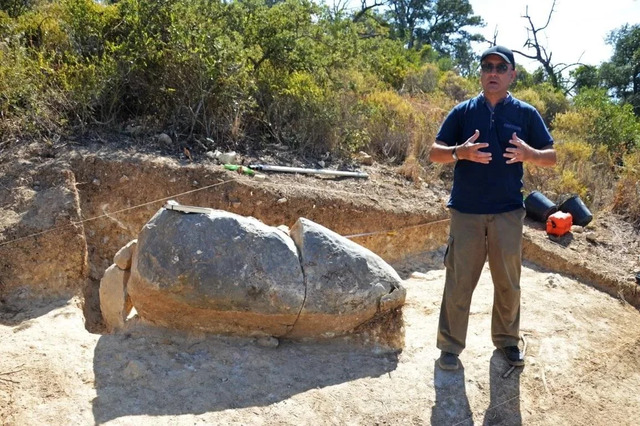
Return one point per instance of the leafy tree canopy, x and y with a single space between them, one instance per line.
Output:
622 73
439 23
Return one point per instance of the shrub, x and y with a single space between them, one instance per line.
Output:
15 8
577 124
302 114
416 166
555 102
548 101
626 200
456 87
89 25
204 80
388 59
532 97
21 86
400 129
610 124
581 169
422 80
388 118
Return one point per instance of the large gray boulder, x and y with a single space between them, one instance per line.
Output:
223 273
217 272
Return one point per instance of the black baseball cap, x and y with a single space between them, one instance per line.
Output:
501 51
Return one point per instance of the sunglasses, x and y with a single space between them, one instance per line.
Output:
501 68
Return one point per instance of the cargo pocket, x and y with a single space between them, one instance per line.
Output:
448 254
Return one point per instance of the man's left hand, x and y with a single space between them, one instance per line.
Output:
520 152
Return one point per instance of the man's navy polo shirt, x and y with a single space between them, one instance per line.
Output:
495 187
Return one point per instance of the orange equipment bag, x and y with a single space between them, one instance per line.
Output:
559 223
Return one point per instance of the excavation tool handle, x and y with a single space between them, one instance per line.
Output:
267 168
240 169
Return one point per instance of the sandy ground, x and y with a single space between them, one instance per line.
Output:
582 368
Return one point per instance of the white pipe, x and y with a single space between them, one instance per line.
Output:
268 168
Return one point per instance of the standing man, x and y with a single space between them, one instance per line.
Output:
489 137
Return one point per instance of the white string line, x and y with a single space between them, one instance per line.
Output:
108 214
76 223
388 231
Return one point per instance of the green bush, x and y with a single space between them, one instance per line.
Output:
21 87
582 169
606 123
388 118
456 87
15 8
626 200
237 72
548 101
90 26
422 80
302 114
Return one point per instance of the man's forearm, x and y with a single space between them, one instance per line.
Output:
441 153
545 157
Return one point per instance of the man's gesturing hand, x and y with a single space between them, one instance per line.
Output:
520 152
470 150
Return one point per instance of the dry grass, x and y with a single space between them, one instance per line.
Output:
626 199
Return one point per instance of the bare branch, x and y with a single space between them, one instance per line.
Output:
563 67
338 7
521 53
541 55
364 8
553 5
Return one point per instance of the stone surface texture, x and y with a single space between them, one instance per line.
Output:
229 274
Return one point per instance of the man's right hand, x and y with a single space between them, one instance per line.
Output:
470 150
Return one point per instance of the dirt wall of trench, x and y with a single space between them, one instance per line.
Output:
119 195
600 273
43 250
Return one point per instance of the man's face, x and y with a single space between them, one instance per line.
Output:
493 76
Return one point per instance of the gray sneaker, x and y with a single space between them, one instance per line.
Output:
448 361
